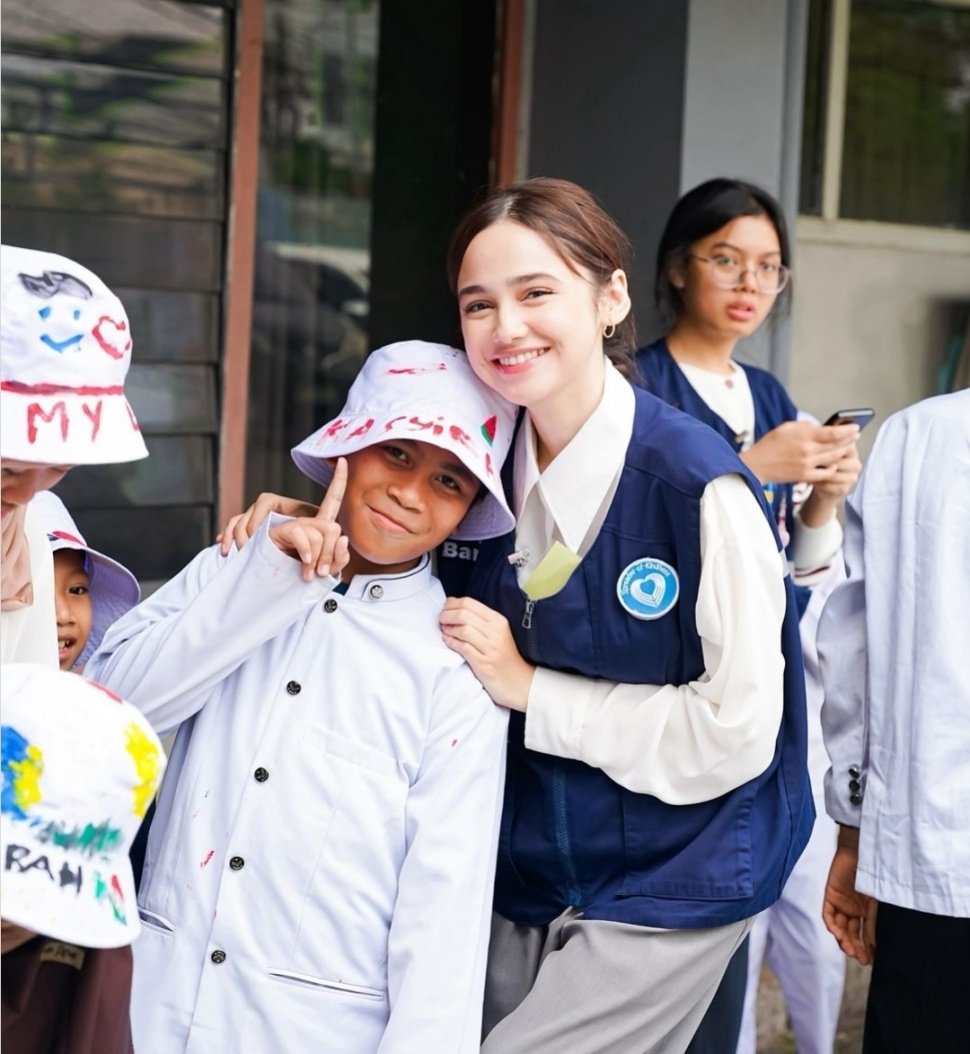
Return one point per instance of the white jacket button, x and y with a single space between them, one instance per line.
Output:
330 606
218 956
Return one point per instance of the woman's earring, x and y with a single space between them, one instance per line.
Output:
609 331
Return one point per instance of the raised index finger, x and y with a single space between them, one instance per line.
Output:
330 505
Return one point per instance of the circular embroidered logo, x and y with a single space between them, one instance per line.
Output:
648 588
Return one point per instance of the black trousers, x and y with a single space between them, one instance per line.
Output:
919 996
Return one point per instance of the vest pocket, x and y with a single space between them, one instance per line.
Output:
688 852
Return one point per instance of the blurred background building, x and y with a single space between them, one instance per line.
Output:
269 186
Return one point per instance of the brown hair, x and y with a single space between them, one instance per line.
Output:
571 220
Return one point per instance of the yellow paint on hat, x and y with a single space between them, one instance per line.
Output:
145 755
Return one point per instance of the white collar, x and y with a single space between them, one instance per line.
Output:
575 485
386 587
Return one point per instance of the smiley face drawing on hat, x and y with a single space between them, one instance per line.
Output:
65 349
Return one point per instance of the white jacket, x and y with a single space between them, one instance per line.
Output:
894 642
319 873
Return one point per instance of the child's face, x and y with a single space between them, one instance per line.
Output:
403 498
72 599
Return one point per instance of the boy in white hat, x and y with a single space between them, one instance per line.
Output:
319 872
90 589
65 348
79 768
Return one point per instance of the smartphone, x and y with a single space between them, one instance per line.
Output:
860 415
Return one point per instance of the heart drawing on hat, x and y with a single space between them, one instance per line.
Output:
114 340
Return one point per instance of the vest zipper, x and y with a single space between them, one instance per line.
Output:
573 894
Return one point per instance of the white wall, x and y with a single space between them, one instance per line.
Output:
742 113
874 307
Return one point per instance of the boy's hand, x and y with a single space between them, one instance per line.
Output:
483 639
316 541
241 528
848 915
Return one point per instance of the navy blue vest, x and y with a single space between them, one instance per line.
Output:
772 407
570 835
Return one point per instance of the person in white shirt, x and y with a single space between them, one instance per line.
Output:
66 349
319 872
893 643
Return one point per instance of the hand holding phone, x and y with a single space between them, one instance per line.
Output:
860 415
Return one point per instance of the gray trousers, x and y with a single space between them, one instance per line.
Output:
580 986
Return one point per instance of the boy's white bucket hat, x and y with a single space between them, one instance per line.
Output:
65 348
80 767
114 589
426 392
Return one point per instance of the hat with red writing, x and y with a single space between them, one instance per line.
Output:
79 769
65 348
113 589
425 392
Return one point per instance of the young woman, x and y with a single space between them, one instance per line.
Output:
722 266
639 624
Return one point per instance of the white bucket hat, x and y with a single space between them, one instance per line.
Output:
426 392
79 769
65 348
114 589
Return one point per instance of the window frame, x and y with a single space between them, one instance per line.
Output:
828 226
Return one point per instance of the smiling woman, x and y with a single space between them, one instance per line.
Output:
638 625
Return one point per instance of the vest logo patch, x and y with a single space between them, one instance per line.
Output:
648 588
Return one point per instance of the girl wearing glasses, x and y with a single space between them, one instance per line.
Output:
722 264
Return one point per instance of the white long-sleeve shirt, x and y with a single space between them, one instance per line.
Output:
319 873
813 549
681 743
893 642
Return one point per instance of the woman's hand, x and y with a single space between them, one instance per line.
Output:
803 452
316 541
241 528
483 639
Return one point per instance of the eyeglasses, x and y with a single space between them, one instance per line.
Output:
727 272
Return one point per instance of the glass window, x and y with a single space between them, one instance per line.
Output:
114 151
813 108
83 101
146 34
906 134
312 284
